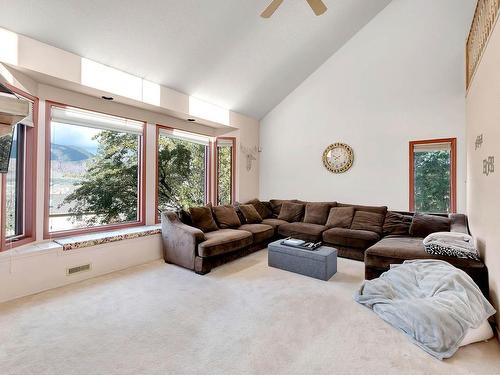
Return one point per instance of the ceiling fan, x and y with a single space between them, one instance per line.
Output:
317 6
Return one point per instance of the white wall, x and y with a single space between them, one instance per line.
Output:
483 199
42 267
400 78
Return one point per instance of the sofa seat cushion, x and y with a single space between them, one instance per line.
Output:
260 232
396 249
302 231
361 239
224 241
275 223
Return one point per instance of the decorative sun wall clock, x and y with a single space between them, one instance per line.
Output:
338 157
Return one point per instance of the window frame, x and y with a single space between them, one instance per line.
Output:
141 186
233 168
208 166
29 182
453 170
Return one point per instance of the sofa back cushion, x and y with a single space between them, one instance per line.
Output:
250 214
291 212
317 212
202 218
226 217
423 225
340 217
265 211
365 220
276 205
357 207
397 224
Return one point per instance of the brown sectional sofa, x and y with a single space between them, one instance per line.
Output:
372 234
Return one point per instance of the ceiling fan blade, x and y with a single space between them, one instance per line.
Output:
268 12
317 6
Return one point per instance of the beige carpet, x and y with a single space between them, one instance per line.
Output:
243 318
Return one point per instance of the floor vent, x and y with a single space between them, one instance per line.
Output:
73 270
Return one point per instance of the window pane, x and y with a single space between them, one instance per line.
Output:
432 173
94 177
224 175
181 173
14 190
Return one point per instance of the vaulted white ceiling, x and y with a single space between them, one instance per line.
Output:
217 50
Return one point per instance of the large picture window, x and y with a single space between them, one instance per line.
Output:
18 184
225 163
94 170
433 175
182 170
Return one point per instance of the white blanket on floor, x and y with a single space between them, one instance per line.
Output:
431 301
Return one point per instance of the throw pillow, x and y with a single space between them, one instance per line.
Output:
340 217
185 217
452 244
317 213
364 220
397 224
263 210
236 206
276 205
226 217
250 213
291 212
202 218
423 225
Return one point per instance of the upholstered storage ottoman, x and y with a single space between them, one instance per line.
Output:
320 263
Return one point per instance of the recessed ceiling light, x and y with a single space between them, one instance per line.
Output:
191 119
107 97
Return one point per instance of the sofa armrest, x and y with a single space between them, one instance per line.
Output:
180 241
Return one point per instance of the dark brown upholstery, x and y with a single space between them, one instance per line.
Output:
260 232
226 217
302 231
262 208
276 205
191 248
423 225
250 213
179 246
349 237
317 212
291 212
357 207
223 241
397 224
396 249
355 253
202 218
275 223
370 221
340 217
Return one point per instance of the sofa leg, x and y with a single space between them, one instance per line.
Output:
201 272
